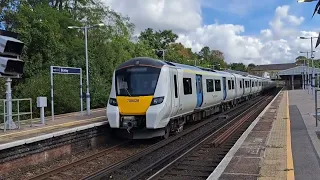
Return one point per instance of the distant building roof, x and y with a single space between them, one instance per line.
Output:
274 67
298 71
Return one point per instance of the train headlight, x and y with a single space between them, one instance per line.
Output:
113 102
157 100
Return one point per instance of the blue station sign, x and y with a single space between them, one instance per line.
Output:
65 70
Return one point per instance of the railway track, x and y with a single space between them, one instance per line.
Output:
199 161
165 153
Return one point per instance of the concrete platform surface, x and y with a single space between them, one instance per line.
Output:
305 142
62 124
261 152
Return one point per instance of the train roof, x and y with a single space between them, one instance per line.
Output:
159 63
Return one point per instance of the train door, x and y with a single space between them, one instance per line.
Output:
174 92
224 84
199 90
250 85
243 87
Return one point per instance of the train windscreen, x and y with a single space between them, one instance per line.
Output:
136 81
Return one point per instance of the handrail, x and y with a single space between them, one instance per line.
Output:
18 114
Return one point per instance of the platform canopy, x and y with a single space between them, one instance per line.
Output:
298 71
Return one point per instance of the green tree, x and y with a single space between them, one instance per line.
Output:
238 67
43 27
158 39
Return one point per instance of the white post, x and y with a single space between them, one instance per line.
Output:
163 54
52 103
42 103
42 115
81 97
10 124
87 70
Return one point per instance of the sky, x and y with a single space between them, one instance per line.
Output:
247 31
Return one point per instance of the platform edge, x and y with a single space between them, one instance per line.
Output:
50 135
226 160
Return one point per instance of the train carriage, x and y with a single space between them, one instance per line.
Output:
151 98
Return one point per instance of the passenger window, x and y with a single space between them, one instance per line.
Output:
217 85
210 85
175 86
187 87
229 84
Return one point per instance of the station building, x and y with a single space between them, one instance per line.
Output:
290 75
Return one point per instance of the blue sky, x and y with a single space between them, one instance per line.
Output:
257 16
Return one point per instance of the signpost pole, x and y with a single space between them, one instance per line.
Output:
52 103
81 98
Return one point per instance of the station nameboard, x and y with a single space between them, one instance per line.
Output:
65 70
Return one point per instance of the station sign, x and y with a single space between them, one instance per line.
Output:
65 70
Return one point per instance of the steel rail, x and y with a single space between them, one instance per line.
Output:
231 112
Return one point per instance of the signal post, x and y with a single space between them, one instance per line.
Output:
10 67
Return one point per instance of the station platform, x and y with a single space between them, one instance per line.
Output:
282 143
61 125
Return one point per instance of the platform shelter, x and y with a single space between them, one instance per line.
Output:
298 77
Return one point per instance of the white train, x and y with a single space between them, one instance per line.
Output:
152 98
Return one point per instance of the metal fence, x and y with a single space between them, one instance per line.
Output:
17 115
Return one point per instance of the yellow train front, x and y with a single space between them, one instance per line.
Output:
137 104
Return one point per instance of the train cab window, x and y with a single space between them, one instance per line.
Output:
240 84
175 86
232 84
217 85
229 84
136 81
210 87
187 86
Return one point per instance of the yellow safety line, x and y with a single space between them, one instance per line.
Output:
290 170
53 126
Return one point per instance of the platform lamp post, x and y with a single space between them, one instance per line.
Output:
85 28
312 56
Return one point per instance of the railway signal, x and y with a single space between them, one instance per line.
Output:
11 66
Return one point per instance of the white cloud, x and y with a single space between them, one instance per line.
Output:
278 44
179 15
